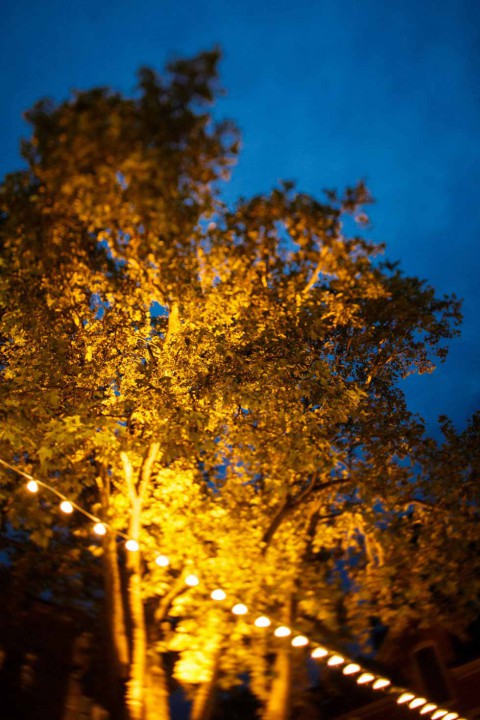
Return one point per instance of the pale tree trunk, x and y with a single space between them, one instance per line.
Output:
278 705
115 609
203 701
137 681
157 696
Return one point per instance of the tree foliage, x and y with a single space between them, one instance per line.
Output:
221 383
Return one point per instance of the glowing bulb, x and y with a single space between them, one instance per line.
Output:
162 561
439 714
262 622
192 580
300 641
239 609
32 486
451 716
381 683
99 529
218 595
365 678
335 660
282 631
66 507
319 652
428 708
418 702
405 697
132 546
351 669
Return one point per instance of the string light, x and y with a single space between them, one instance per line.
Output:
239 609
335 660
300 641
406 697
365 678
351 669
318 653
282 631
262 622
192 580
162 561
418 702
381 683
428 708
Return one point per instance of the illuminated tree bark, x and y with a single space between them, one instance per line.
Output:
204 697
278 705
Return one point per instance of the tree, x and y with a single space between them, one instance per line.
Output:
219 382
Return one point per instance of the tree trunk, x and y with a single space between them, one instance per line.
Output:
157 696
203 702
137 681
115 609
278 706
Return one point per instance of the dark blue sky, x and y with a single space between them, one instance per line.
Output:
325 93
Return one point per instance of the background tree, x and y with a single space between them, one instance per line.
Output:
220 383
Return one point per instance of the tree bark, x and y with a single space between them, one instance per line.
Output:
137 681
278 706
115 609
203 702
157 696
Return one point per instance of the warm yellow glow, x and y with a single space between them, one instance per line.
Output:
300 641
365 678
263 622
66 507
351 669
451 716
319 652
405 697
335 660
439 714
418 702
239 609
99 529
282 631
192 580
381 683
132 546
32 486
218 595
162 561
428 708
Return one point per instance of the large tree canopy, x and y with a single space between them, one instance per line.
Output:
221 383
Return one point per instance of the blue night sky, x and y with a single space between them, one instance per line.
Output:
325 93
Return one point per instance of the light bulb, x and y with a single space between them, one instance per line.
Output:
351 669
417 702
439 714
32 486
404 698
239 609
300 641
66 507
162 561
218 595
282 631
262 622
132 546
381 683
428 708
192 580
335 660
365 678
451 716
99 528
318 653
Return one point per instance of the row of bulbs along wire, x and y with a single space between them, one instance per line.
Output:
320 653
